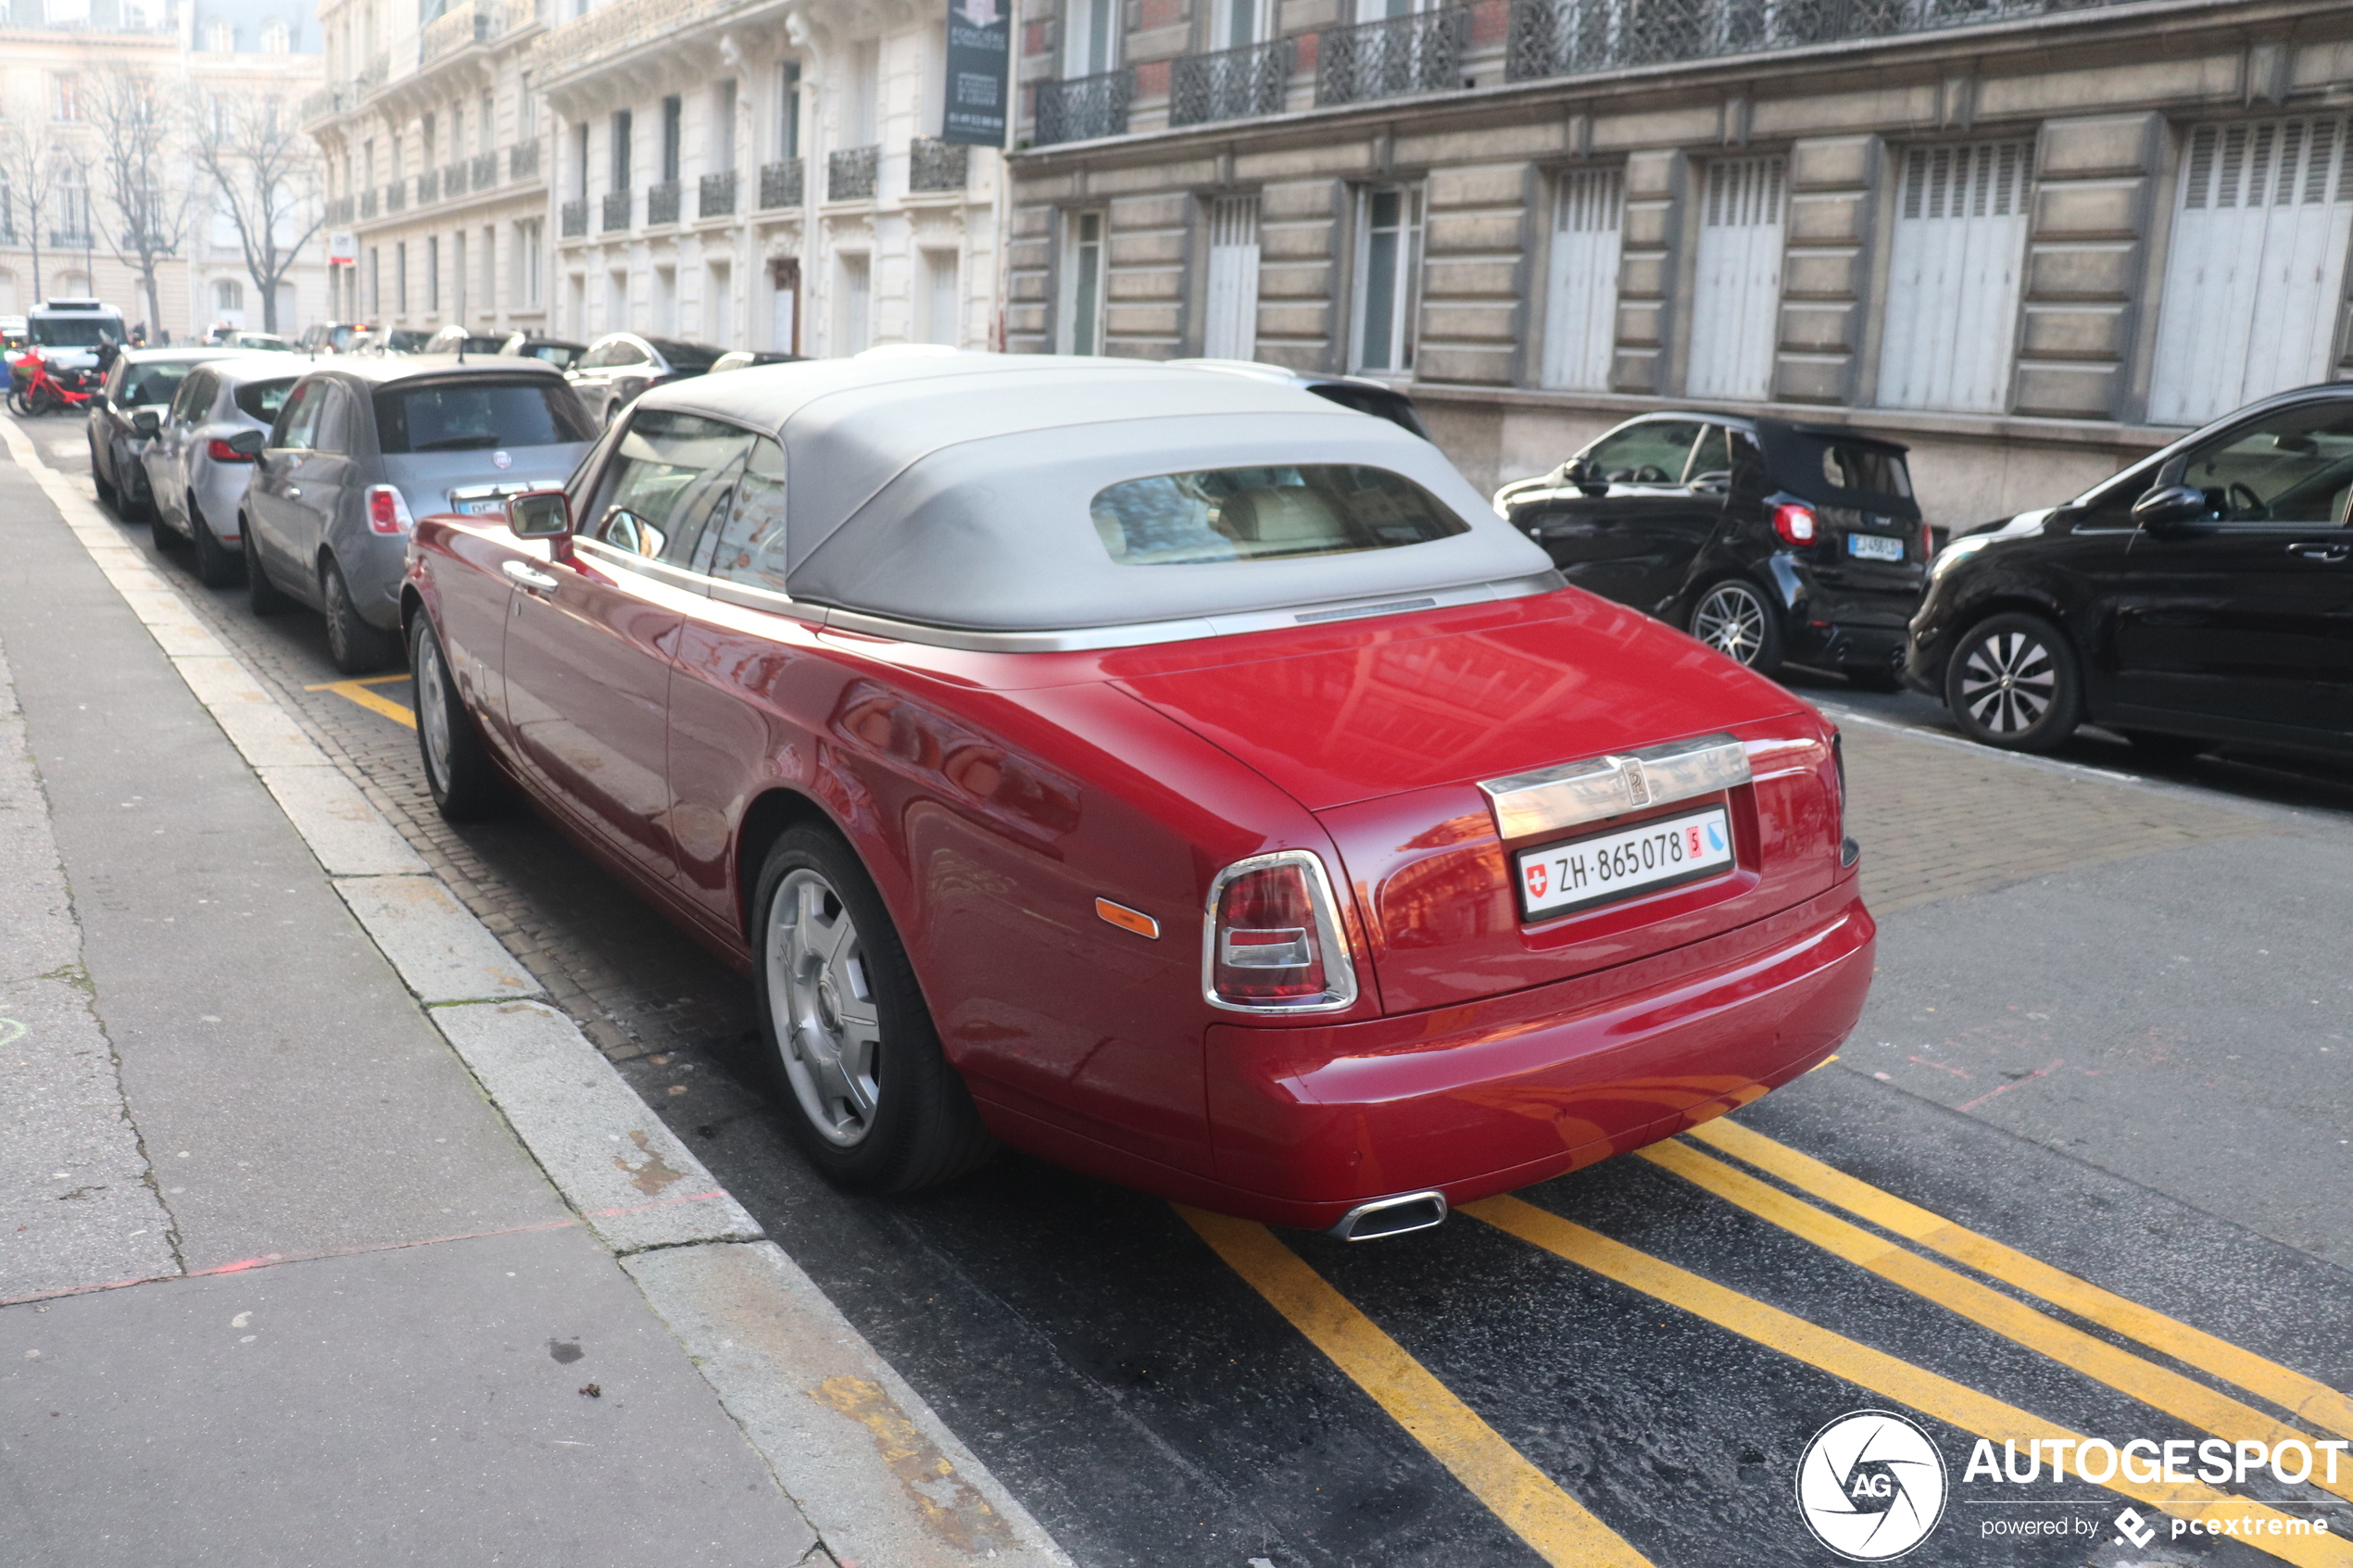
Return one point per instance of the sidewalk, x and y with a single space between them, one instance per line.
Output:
285 1278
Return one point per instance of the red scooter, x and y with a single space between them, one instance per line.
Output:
32 390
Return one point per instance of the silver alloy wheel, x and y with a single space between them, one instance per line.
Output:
433 708
2009 681
823 1007
1731 619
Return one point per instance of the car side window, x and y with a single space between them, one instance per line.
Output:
1711 461
1652 453
2293 465
670 474
194 397
299 420
749 541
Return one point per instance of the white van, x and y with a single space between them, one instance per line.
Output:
68 332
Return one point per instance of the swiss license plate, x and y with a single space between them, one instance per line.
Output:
1874 547
1584 871
494 506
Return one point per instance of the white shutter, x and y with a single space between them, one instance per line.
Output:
1953 278
1736 308
1229 328
1580 313
2257 266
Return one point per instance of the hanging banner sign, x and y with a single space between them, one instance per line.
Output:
980 49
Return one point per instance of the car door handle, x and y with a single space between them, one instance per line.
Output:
530 578
2321 552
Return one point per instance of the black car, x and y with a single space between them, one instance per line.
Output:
1765 540
557 351
139 378
619 366
2203 594
457 340
1360 393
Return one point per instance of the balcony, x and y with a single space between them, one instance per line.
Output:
485 170
339 211
428 186
1232 84
522 160
1391 60
1084 109
575 218
453 179
366 204
661 202
718 196
396 197
781 184
935 165
616 211
325 104
849 174
70 239
1579 37
463 23
372 74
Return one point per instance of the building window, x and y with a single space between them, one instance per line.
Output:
789 111
674 132
275 38
666 300
220 37
1092 47
458 276
69 101
939 297
400 277
1229 326
1389 255
529 260
485 122
720 156
852 304
1082 284
580 160
375 281
866 94
1950 319
1736 303
1580 301
432 272
621 131
1234 24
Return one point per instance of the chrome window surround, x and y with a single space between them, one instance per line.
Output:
1564 795
1339 963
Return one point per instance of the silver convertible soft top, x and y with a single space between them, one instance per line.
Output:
955 491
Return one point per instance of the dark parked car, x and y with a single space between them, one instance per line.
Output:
457 340
1360 393
619 366
141 378
559 352
746 359
2203 594
1765 540
364 446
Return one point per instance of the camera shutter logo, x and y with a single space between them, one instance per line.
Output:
1870 1485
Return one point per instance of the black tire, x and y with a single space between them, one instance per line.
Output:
2167 747
1737 619
132 503
918 1126
167 537
466 785
2013 682
18 403
262 595
108 496
357 647
218 566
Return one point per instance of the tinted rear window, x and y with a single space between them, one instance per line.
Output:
76 331
262 399
472 416
153 383
1265 514
684 356
1871 470
1825 467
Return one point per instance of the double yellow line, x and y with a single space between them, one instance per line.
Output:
1563 1531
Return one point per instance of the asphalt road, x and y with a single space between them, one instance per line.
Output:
2134 1069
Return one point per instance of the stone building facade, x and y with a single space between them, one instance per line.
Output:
2032 239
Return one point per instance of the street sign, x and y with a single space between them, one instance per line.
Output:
342 249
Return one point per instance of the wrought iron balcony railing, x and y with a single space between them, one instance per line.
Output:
368 202
325 103
1232 84
616 211
453 179
718 196
935 165
575 218
522 160
468 22
429 186
661 202
372 74
849 174
1422 53
781 184
485 170
70 239
1085 107
396 197
339 211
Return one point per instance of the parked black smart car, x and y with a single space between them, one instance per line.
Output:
1765 540
2203 594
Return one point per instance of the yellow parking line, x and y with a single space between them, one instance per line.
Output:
357 691
1548 1518
1882 1373
2307 1397
2159 1387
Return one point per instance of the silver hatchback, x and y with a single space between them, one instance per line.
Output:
198 468
365 447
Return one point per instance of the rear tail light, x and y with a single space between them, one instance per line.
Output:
388 510
1928 542
220 451
1795 524
1273 941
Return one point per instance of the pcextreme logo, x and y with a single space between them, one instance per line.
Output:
1870 1485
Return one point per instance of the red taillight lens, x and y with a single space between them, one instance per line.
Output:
1273 939
1928 542
387 509
220 451
1795 524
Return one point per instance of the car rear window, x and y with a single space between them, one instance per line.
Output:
1871 470
1831 468
1266 514
684 356
152 383
475 415
262 399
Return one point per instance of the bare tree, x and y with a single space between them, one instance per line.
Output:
267 174
144 179
28 166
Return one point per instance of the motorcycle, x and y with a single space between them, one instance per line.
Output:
34 391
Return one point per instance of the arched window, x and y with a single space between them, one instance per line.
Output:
274 37
220 37
228 295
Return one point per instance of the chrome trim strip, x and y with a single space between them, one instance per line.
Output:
1586 790
748 597
1398 607
661 571
1339 963
1346 1229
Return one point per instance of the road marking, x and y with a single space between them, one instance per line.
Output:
1875 1370
357 691
2307 1397
1537 1510
2159 1387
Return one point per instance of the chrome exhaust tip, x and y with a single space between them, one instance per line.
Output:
1391 1216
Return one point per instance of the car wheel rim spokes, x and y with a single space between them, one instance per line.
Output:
433 710
1731 621
2009 683
821 1004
